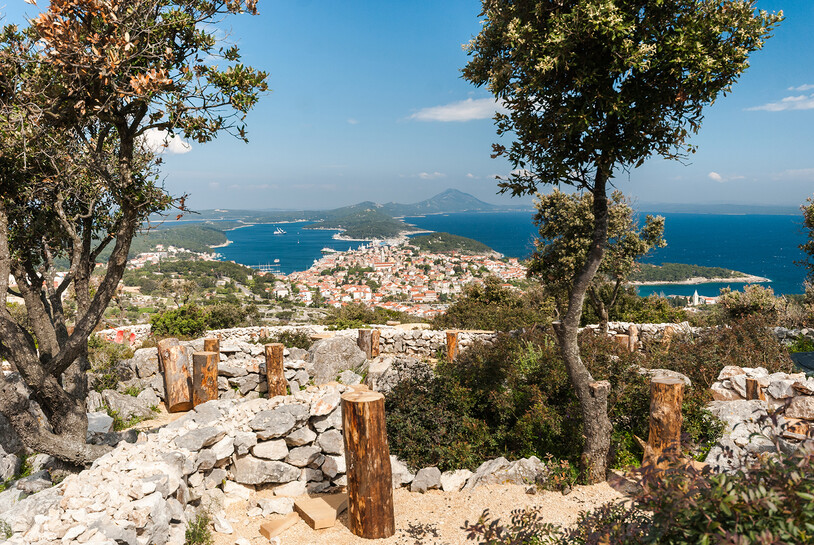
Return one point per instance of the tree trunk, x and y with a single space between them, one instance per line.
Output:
754 390
452 345
177 378
275 371
666 396
204 377
592 395
370 481
368 342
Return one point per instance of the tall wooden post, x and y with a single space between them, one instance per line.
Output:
368 342
623 339
666 396
452 345
204 377
754 390
275 374
633 333
370 481
175 363
212 344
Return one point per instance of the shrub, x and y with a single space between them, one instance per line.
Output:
5 529
767 503
291 339
801 344
188 321
354 316
494 306
104 356
631 307
753 300
225 316
198 531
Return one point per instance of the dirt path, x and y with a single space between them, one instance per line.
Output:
434 518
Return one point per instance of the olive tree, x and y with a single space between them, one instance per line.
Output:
565 225
80 91
595 87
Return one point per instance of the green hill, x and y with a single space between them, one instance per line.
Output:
445 243
367 223
678 272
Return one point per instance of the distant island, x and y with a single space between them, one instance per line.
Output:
682 273
443 243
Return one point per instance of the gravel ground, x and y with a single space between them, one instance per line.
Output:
434 518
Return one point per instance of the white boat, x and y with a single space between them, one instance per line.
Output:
279 231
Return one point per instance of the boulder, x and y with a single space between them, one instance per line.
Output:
329 357
331 442
801 407
781 389
300 437
292 489
722 393
251 470
325 404
145 362
93 403
730 371
244 441
271 450
333 420
349 378
100 422
453 481
303 456
274 423
333 466
126 406
401 473
195 440
276 506
428 478
10 466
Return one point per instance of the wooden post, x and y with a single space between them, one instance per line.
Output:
633 333
212 344
452 345
370 481
623 340
754 390
368 341
204 377
275 374
177 380
666 396
667 336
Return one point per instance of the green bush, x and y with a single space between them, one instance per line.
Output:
753 300
771 502
631 307
291 339
188 321
104 356
801 344
493 306
354 316
198 531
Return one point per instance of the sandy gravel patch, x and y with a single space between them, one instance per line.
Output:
434 518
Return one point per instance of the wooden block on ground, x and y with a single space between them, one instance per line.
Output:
338 502
316 512
274 528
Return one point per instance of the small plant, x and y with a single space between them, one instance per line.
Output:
132 391
291 339
801 344
188 321
120 424
5 529
198 531
562 475
104 356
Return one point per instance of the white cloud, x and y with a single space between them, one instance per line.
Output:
799 102
214 185
795 174
801 88
464 110
470 176
159 141
715 176
353 121
719 178
431 175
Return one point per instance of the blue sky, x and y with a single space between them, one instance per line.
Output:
367 103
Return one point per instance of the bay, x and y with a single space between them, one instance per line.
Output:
762 245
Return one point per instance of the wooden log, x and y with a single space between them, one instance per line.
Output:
452 345
204 377
754 390
623 340
177 377
667 336
212 344
666 396
368 342
633 334
275 374
370 486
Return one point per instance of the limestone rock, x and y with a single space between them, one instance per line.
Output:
195 440
271 450
453 481
251 470
428 478
721 393
325 404
276 506
292 489
401 474
730 371
801 407
302 456
331 442
349 378
100 422
329 357
300 437
323 423
244 441
125 405
271 424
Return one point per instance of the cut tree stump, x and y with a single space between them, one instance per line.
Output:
275 373
212 344
452 345
754 390
368 342
666 396
204 377
623 340
370 484
175 362
633 334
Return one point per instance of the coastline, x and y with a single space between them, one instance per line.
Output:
227 243
747 279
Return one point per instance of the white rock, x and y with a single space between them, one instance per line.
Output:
453 481
294 488
223 448
730 371
280 505
222 525
721 393
271 450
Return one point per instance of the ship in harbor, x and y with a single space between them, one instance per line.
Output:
279 231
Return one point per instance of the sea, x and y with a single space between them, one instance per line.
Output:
761 245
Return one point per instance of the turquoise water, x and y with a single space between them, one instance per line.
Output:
762 245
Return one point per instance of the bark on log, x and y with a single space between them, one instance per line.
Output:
370 484
623 340
174 359
368 342
633 333
452 345
212 344
666 396
754 390
275 374
204 377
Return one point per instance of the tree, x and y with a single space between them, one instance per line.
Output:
595 86
80 91
565 226
808 247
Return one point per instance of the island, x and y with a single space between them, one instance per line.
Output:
649 274
443 243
